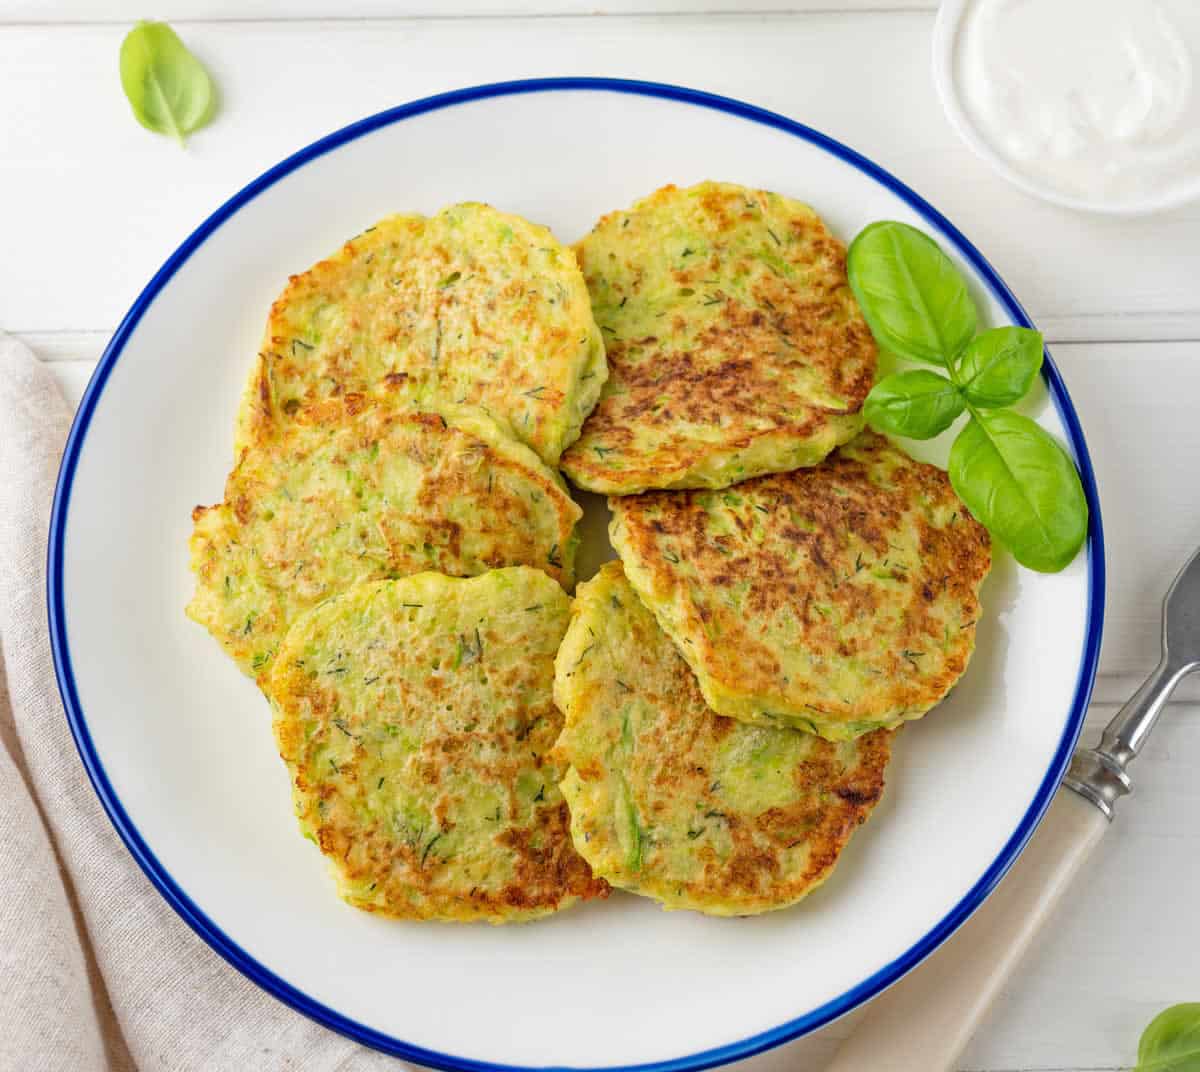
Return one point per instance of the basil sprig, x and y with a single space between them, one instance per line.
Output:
1012 475
1171 1042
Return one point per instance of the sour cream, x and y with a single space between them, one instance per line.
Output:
1095 101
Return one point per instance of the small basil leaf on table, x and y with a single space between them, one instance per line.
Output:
168 88
1171 1041
918 404
1022 486
999 366
914 299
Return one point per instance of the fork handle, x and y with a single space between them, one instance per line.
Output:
923 1022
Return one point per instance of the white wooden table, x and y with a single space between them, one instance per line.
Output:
90 205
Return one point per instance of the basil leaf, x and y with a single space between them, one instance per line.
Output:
999 366
168 88
918 404
1022 486
1171 1042
914 299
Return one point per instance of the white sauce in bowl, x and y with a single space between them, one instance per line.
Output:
1094 100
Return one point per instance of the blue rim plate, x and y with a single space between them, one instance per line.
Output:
331 1018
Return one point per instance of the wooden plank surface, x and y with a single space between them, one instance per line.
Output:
127 11
93 204
73 162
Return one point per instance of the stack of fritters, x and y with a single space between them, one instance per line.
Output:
710 722
402 419
730 688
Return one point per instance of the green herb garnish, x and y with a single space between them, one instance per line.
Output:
1171 1041
1012 474
167 87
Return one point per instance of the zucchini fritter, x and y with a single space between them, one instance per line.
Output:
836 599
470 306
355 490
672 801
416 718
735 345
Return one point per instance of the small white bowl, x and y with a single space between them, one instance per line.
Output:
950 18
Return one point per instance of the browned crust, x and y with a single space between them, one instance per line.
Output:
743 373
386 312
228 536
778 854
462 743
829 531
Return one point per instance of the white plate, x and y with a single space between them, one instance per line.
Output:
178 743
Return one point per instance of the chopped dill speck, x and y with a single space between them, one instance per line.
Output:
774 236
432 841
541 794
671 557
534 392
414 606
554 558
470 650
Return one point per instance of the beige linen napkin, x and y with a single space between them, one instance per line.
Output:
96 971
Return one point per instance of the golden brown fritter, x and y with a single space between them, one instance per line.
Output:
836 599
353 490
470 306
735 345
672 801
416 719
